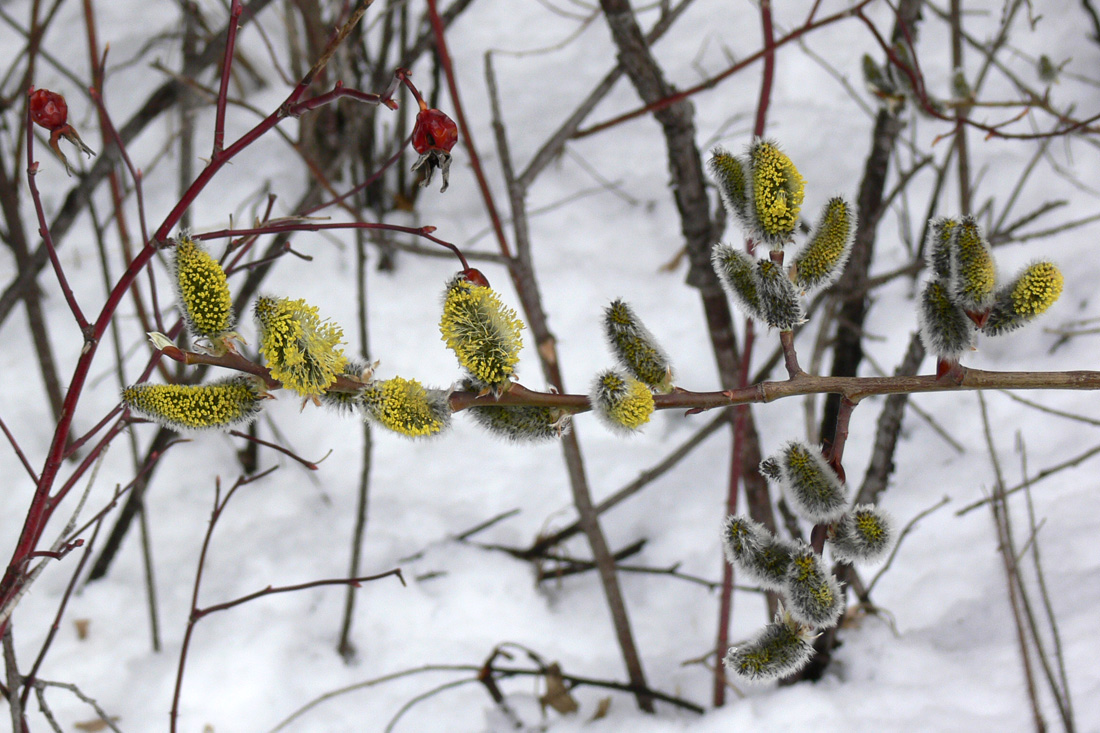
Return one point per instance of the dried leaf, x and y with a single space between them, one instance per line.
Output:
602 708
95 725
81 625
557 695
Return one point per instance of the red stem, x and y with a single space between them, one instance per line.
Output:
460 115
725 605
306 226
42 504
227 69
44 230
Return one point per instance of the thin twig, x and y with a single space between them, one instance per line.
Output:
1006 546
865 597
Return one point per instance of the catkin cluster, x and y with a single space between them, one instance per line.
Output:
961 296
812 597
763 191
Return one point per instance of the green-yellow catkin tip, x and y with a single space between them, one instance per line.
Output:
482 332
1048 72
301 350
809 483
406 407
780 306
873 76
1032 292
736 270
945 329
621 401
960 87
729 172
864 534
223 404
202 290
777 189
973 273
937 249
636 348
779 649
820 262
813 595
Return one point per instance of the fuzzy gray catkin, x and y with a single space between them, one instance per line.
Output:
813 595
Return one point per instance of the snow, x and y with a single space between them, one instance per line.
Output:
941 656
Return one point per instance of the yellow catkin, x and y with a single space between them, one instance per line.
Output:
1037 289
622 401
406 407
974 271
301 350
824 256
777 189
482 332
202 289
221 404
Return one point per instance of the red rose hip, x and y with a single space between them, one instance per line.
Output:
48 109
434 130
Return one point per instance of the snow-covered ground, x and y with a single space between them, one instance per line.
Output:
947 659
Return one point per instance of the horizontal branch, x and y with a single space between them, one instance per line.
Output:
853 388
